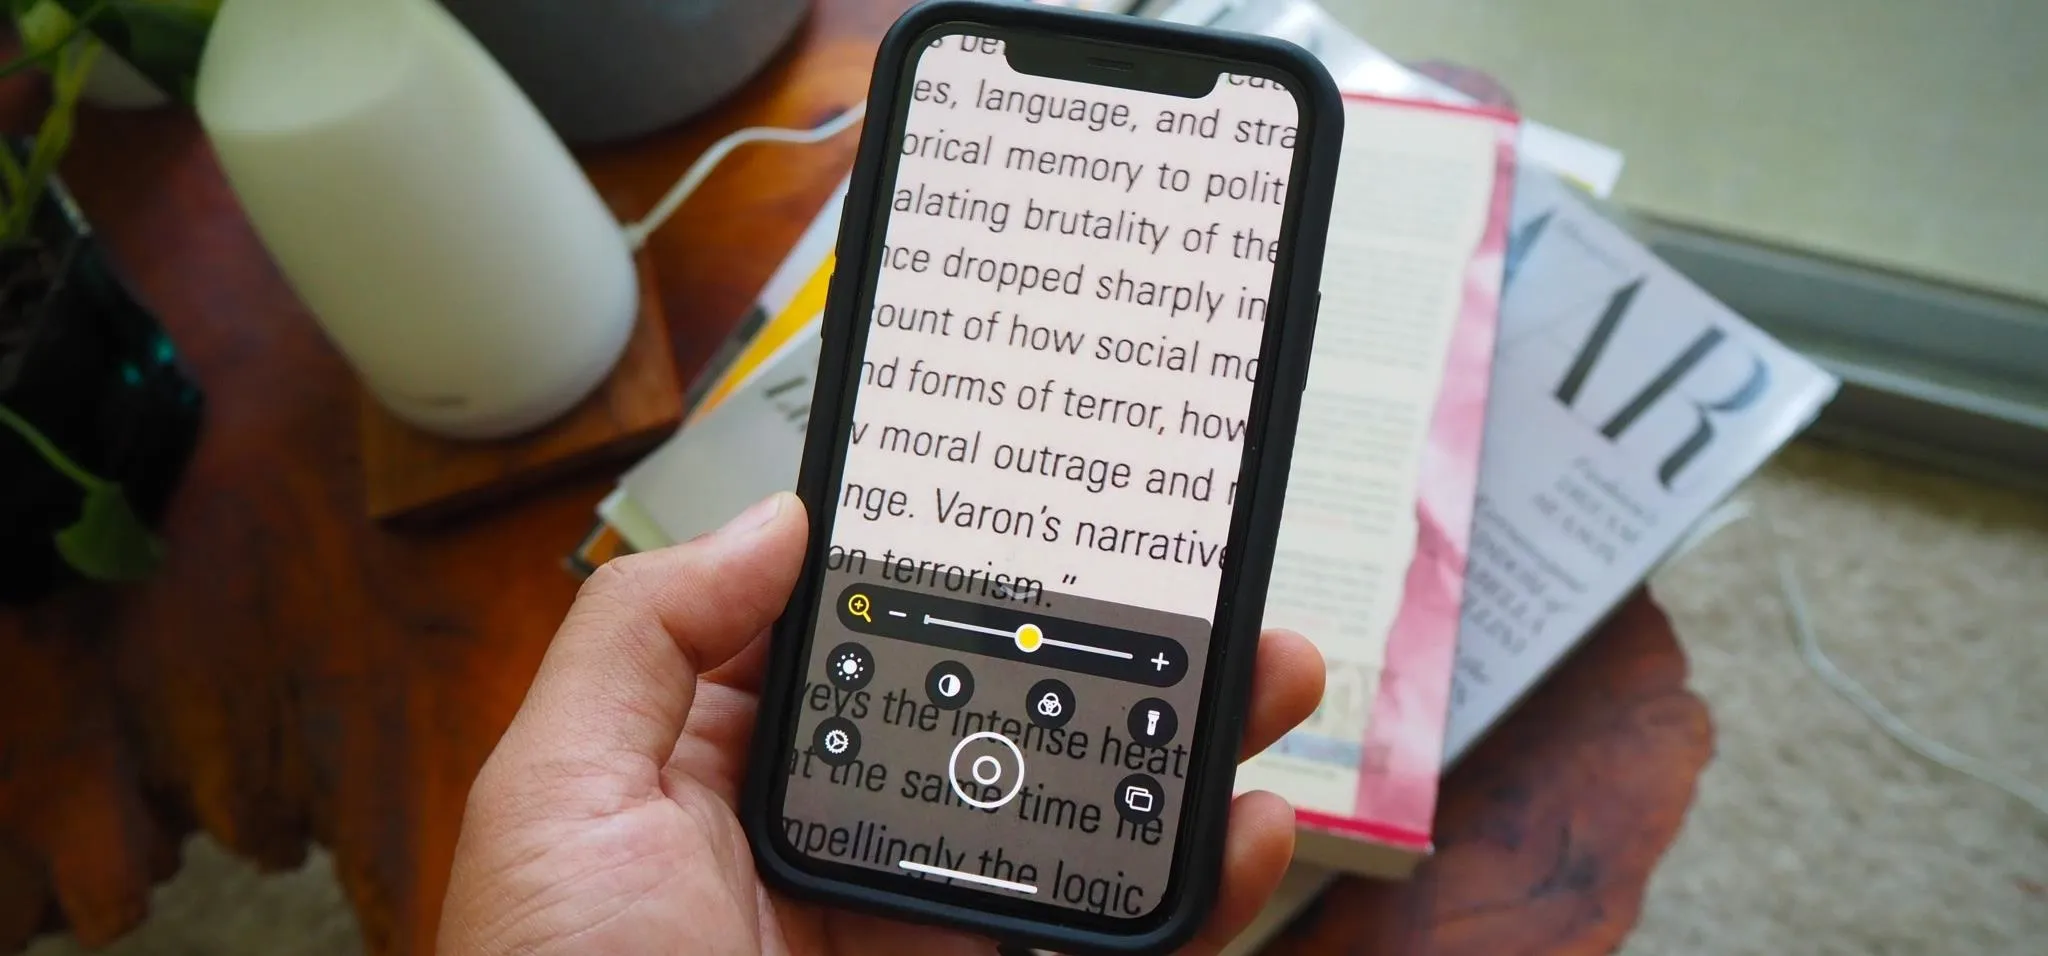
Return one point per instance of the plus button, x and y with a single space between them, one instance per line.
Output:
1159 662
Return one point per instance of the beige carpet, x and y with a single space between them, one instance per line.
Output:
220 906
1812 834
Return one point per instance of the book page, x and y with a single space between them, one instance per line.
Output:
1413 199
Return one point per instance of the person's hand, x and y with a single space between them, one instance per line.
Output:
603 822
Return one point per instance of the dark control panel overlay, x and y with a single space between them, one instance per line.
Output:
946 737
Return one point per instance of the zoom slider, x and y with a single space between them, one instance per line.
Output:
1014 633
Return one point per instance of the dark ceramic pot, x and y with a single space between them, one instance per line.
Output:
85 365
606 70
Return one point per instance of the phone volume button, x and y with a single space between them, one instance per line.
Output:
1315 315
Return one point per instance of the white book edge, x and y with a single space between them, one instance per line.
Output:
758 434
812 247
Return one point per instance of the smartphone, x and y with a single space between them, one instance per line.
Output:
1061 364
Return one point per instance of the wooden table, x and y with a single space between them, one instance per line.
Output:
298 674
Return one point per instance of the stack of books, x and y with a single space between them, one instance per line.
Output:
1514 412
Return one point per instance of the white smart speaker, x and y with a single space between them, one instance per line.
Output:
439 230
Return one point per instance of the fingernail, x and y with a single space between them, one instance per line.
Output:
756 517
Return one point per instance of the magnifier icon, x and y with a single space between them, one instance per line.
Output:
858 606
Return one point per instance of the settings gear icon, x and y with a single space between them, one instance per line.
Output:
836 741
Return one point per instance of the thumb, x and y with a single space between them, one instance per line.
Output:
619 679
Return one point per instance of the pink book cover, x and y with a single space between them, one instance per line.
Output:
1403 747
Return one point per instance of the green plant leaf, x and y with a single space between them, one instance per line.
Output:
109 543
162 39
47 449
67 81
44 26
165 36
15 182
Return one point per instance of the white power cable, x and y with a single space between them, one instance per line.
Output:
1848 688
637 233
1863 700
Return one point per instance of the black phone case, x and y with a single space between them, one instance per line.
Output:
1269 442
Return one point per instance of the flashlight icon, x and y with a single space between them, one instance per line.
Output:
858 606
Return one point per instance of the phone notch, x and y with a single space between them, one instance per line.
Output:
1111 64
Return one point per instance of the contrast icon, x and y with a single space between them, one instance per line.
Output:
850 666
859 606
949 685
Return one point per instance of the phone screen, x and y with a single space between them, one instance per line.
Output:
1004 683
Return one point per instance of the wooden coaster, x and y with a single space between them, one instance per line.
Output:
410 476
